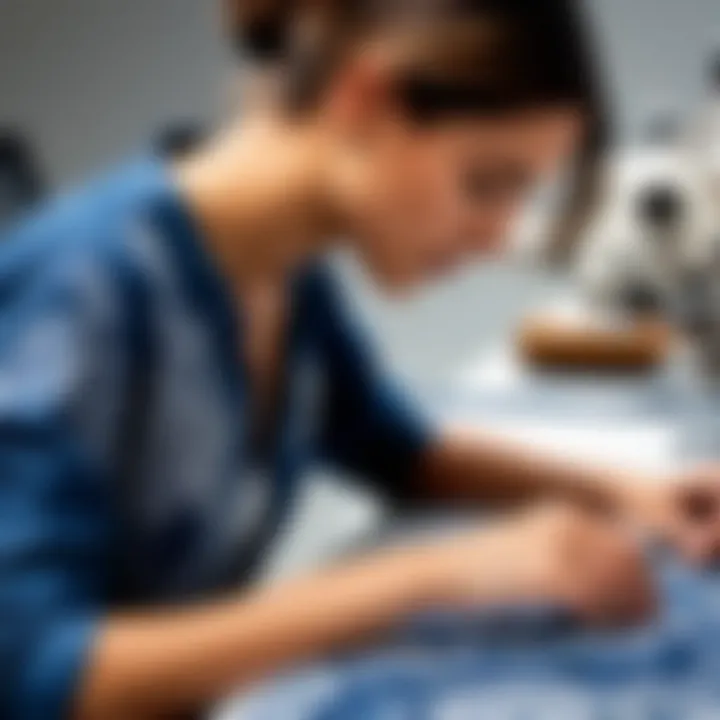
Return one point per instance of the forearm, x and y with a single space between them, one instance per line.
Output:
470 466
176 662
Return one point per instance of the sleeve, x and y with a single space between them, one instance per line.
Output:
54 506
371 427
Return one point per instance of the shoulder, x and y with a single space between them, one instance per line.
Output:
81 245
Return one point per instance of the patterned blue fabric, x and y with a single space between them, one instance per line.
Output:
127 473
520 665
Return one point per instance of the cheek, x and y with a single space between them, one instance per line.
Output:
488 228
419 206
424 207
412 213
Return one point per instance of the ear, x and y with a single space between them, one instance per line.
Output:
361 98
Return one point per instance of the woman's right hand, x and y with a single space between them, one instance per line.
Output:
556 555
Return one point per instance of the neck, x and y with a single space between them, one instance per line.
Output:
260 197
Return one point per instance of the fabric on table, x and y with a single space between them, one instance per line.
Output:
522 666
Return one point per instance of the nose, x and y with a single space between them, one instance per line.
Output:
641 299
661 206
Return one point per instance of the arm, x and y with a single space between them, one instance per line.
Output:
464 466
159 665
373 430
54 519
680 509
170 662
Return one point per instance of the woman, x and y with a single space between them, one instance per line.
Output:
173 355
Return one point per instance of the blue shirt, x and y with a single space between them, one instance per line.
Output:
127 474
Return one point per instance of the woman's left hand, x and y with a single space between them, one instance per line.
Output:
684 511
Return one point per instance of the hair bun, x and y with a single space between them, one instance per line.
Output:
260 28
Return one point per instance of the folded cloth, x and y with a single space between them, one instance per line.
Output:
519 664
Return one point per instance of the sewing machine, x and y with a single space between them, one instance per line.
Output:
654 248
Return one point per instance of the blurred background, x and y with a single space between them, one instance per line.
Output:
88 81
121 58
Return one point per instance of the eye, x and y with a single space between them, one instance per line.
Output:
480 186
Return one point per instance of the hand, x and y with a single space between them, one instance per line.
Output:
684 511
556 555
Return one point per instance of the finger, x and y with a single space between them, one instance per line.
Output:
618 592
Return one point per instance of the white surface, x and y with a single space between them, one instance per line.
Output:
599 422
632 445
498 375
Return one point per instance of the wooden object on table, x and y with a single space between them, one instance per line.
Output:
550 341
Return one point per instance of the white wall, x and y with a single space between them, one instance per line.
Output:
91 79
656 52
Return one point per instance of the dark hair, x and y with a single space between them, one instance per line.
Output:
22 184
466 56
179 139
